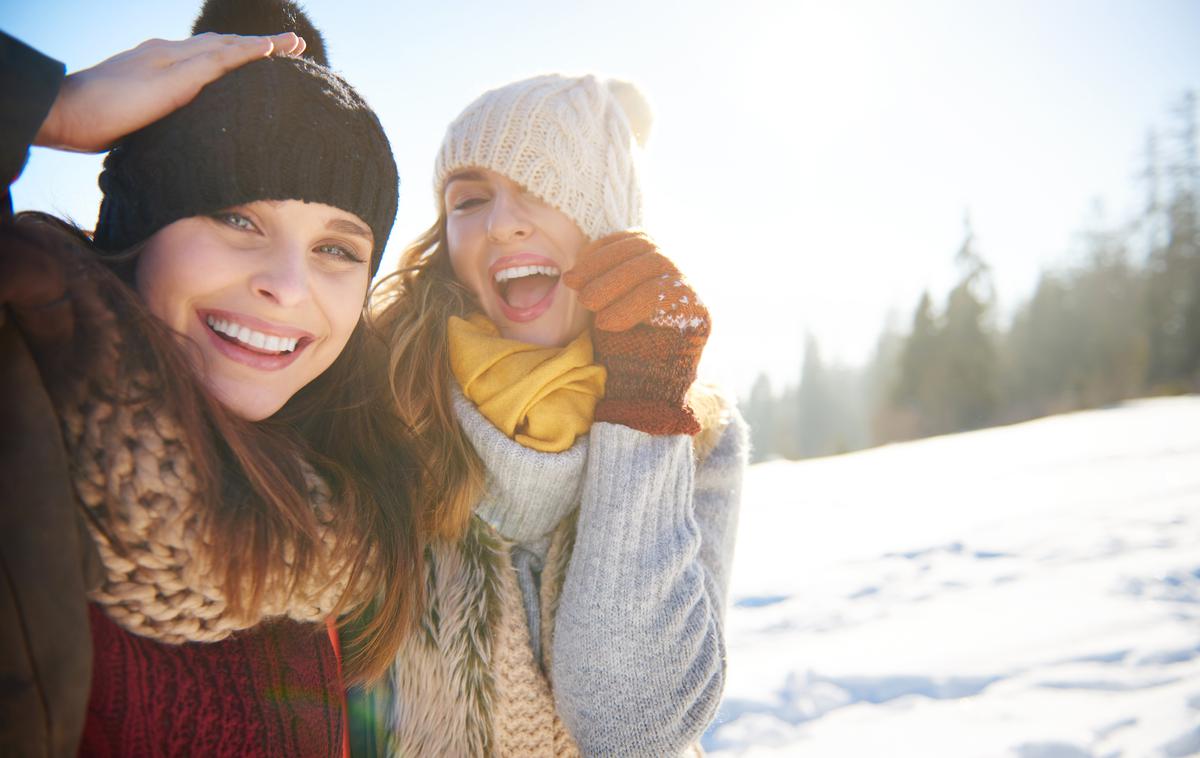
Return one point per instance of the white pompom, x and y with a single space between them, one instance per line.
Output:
636 107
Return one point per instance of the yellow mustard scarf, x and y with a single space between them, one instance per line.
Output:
542 397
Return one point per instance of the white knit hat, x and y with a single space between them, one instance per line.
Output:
568 140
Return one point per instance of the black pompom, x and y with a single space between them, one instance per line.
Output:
261 17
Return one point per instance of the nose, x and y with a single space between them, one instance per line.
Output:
508 220
283 276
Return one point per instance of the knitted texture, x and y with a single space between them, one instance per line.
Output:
528 501
279 694
567 140
650 330
631 599
644 665
467 681
441 692
275 129
639 621
543 397
133 475
526 721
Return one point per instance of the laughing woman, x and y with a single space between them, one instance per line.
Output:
598 486
189 404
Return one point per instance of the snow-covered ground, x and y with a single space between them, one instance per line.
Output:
1031 591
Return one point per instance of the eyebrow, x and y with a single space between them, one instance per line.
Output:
465 176
349 227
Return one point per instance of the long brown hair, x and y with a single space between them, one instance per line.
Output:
411 308
252 486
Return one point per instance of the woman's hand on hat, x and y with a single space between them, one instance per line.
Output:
97 106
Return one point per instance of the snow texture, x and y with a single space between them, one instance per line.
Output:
1031 591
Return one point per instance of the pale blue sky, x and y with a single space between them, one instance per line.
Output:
810 163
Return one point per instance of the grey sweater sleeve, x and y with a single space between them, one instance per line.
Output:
638 660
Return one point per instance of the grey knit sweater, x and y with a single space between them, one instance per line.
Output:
638 663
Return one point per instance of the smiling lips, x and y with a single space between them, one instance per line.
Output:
252 342
252 338
525 284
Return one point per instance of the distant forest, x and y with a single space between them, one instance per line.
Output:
1120 321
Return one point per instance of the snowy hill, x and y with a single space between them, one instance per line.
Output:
1030 591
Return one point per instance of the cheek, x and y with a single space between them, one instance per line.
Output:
344 304
579 318
165 281
466 260
568 237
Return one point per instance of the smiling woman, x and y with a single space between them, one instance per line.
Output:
518 290
203 413
587 488
269 292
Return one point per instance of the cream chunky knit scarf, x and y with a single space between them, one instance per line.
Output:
466 681
135 480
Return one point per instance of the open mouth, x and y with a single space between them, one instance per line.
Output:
524 287
252 339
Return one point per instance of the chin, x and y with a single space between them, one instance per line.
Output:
249 403
534 335
551 330
565 320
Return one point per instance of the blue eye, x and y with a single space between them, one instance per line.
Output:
341 251
236 220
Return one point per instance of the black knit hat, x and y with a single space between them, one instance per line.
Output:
274 129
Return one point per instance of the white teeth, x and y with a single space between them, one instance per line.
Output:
244 334
516 272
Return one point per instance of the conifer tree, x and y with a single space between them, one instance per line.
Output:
970 364
760 414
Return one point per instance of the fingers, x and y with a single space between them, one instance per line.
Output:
195 72
126 92
222 53
682 310
625 281
234 50
284 43
635 307
604 254
666 302
287 43
615 283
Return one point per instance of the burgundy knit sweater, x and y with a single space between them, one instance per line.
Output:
274 690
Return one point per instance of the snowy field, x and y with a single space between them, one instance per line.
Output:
1030 591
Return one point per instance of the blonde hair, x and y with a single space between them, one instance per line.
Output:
410 310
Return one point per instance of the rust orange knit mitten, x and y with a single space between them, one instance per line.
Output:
649 332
